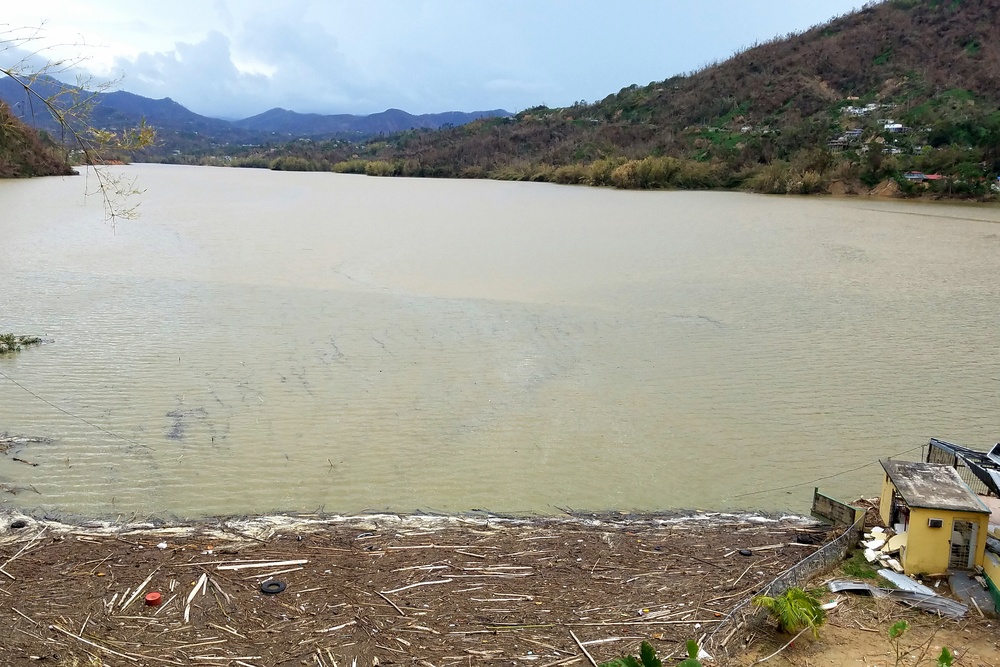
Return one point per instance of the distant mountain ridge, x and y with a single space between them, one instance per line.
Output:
283 121
179 128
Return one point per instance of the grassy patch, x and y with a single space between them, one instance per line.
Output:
857 566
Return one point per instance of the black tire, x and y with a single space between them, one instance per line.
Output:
272 587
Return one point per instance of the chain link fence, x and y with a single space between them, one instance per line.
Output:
726 640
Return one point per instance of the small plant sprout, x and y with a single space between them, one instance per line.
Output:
896 631
647 657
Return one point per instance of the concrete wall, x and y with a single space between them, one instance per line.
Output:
929 549
833 510
991 567
885 500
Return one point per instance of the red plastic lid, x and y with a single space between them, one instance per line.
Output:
153 599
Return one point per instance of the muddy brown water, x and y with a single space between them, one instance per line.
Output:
263 341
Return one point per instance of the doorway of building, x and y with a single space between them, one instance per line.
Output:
963 544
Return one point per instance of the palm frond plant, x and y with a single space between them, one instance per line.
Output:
794 610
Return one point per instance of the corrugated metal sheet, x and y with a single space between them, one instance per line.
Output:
932 602
904 583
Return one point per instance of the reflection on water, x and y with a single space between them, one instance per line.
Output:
271 341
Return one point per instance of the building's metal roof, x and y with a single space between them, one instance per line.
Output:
986 467
932 486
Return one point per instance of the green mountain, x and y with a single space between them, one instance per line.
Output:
24 152
899 86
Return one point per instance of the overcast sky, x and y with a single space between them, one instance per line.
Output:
237 58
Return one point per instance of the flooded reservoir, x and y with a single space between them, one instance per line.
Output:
262 341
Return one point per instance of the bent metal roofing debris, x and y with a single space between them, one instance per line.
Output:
932 603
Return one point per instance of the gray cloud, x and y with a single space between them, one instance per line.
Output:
235 58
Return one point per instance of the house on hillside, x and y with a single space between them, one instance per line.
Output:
944 520
859 112
920 177
837 145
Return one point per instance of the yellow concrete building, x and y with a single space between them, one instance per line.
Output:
945 521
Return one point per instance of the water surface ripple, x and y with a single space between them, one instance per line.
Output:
263 341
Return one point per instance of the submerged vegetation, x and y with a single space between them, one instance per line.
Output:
12 343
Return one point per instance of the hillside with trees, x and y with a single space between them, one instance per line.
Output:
185 136
903 92
25 153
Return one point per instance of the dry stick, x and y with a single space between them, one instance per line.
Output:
564 661
440 546
279 563
731 595
138 590
422 583
702 560
790 642
23 549
101 562
164 605
595 642
228 629
548 646
205 643
591 659
202 580
976 605
273 574
401 612
690 622
95 645
26 616
215 585
423 567
223 657
338 627
737 579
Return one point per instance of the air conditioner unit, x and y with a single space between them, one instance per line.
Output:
935 523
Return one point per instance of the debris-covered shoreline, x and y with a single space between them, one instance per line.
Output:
429 590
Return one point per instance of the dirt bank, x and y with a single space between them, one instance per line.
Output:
411 590
856 634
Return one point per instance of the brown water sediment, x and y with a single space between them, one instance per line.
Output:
262 340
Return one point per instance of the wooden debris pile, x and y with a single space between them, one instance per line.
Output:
382 590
